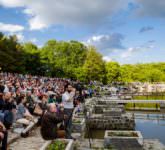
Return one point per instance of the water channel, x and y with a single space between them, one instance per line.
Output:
151 125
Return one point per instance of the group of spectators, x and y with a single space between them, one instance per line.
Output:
50 100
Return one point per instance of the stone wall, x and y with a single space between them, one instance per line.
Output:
111 123
107 115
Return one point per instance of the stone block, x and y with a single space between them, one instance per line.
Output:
127 136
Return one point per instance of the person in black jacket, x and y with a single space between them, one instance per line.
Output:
51 118
6 115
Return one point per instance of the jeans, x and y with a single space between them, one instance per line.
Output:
68 122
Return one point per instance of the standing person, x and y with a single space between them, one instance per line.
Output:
67 99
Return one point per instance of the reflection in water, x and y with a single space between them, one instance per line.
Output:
151 128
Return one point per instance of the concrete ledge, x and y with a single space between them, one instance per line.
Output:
123 136
79 126
68 147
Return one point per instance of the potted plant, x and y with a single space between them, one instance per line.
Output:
59 144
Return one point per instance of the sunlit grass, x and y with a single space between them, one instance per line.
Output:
150 97
142 105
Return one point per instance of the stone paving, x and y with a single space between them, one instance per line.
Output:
12 137
153 144
33 142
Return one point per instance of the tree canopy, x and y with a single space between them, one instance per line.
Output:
72 59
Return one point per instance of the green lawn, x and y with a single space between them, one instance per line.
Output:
142 105
151 97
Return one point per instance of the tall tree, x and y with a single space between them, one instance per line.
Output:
32 58
112 71
94 67
64 57
10 54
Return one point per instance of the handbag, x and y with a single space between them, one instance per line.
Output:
38 110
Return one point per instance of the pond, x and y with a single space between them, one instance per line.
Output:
151 127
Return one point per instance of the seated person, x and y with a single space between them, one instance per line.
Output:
41 107
52 99
51 118
23 116
30 102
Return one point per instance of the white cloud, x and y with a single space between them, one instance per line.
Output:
106 43
44 13
107 58
36 24
28 11
130 51
20 37
73 12
12 3
33 40
134 50
12 28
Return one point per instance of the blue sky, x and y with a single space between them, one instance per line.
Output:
127 31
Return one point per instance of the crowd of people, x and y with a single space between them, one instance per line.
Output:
50 100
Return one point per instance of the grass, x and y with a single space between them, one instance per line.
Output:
146 105
150 97
142 105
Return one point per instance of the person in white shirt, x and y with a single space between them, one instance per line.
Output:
67 99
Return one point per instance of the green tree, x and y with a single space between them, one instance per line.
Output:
126 73
32 58
112 71
94 67
64 57
10 54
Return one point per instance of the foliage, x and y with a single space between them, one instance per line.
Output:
64 58
57 145
31 59
112 71
94 66
73 60
11 54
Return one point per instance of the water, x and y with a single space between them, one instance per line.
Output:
95 134
151 129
